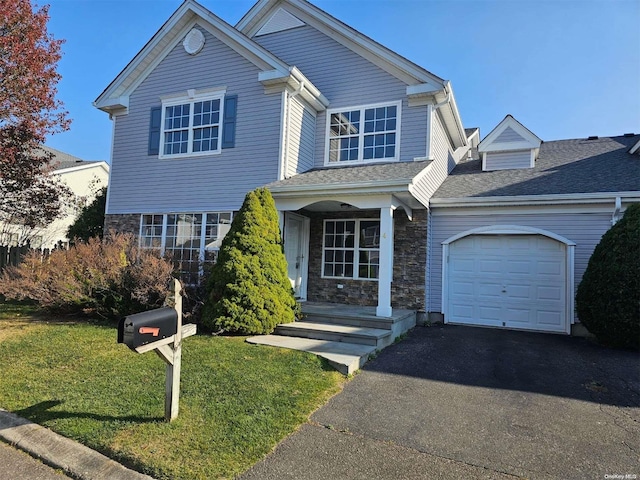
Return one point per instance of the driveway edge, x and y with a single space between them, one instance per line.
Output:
60 452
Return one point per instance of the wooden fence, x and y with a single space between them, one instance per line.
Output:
14 255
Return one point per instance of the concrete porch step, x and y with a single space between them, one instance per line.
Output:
381 323
344 357
357 316
375 337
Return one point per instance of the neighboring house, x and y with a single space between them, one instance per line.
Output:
356 144
84 179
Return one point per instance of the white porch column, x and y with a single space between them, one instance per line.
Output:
386 262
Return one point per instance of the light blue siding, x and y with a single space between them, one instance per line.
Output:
346 80
585 229
143 183
508 160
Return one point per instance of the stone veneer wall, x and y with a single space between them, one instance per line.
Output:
409 264
125 223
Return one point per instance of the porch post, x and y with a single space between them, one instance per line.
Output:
386 262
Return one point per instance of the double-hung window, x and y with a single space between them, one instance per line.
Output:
363 134
192 239
351 249
192 125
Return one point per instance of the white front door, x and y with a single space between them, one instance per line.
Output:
295 250
512 281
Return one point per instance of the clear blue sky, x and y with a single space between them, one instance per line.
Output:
564 68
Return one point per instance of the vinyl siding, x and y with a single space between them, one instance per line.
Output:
509 135
301 138
346 80
144 183
585 229
507 160
444 160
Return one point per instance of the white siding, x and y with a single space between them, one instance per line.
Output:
444 160
347 80
585 229
507 160
143 183
301 138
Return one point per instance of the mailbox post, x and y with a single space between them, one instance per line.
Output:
160 330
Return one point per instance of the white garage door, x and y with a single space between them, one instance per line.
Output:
512 281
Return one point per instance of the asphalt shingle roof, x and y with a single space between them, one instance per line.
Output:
349 175
62 160
563 166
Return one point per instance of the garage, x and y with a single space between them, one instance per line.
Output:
508 280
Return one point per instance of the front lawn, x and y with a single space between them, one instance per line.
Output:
237 400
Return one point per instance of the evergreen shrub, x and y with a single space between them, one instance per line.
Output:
249 291
608 297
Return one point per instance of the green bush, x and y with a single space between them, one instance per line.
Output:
608 297
249 291
90 221
110 278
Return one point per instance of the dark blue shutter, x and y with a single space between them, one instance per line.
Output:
154 130
229 121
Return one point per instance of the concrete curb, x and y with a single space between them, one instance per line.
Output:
73 458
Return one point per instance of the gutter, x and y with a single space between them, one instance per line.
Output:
557 199
403 183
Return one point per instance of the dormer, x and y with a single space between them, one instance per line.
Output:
508 146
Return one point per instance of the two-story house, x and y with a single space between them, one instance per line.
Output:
356 144
352 139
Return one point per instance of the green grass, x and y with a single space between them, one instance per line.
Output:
237 400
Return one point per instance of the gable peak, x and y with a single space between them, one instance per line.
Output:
280 21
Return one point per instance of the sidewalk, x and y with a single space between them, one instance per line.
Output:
17 465
61 453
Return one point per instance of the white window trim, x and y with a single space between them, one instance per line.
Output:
192 97
356 248
203 236
361 160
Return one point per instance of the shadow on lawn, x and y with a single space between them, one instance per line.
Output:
41 412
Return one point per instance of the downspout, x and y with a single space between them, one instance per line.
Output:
429 255
616 212
291 96
430 111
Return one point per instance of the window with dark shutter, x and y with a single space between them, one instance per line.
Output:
154 130
229 121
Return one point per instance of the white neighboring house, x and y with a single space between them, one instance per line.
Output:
84 179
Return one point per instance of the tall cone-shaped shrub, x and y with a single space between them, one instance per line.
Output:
608 297
249 291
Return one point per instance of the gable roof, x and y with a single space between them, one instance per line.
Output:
116 95
63 162
577 166
389 60
520 138
420 82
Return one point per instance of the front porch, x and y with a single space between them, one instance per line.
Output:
345 335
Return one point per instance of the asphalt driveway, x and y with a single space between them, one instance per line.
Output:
463 402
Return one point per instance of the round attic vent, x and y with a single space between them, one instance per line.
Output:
193 42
